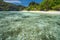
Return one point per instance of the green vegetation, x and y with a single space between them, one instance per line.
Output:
50 5
45 5
29 26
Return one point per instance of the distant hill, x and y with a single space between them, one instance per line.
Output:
10 7
33 6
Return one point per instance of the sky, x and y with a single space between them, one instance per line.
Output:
22 2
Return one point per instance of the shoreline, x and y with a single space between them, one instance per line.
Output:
43 12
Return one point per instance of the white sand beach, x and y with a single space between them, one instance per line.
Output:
45 12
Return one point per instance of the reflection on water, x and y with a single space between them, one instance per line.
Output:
29 26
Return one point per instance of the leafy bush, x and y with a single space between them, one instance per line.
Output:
57 7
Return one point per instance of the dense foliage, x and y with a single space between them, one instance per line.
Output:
50 5
45 5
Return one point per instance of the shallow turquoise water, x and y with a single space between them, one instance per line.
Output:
29 26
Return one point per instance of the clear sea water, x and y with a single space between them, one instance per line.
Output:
29 26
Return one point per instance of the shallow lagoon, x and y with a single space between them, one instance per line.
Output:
29 26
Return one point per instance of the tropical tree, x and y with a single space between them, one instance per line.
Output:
48 4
